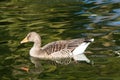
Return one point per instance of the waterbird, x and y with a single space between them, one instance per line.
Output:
56 50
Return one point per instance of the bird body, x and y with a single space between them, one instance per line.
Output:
73 48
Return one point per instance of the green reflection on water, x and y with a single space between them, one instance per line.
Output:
55 21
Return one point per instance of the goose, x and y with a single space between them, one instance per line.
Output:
73 48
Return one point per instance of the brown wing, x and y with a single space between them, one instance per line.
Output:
62 44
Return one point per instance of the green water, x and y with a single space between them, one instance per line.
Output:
56 20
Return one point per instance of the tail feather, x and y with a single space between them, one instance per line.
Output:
89 40
78 52
82 47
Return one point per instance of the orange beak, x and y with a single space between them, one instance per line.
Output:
24 40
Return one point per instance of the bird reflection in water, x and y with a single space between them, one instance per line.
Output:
39 65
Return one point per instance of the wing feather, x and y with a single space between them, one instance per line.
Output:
62 44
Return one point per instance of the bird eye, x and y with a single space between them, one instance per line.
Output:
28 36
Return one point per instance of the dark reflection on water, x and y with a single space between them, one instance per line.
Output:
56 20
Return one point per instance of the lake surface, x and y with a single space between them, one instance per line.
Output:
59 20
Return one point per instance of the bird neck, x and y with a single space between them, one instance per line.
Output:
35 50
37 43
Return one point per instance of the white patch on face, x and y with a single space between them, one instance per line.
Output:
81 48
